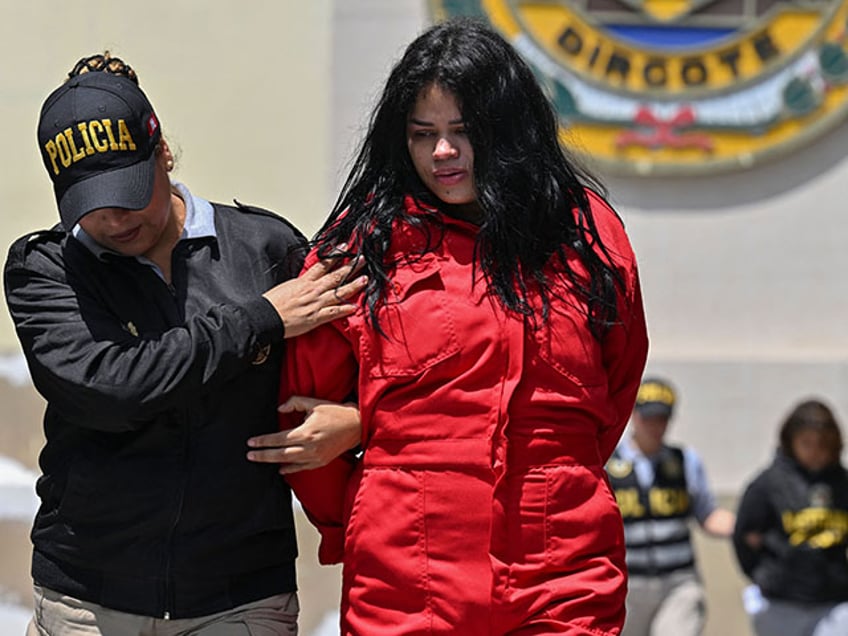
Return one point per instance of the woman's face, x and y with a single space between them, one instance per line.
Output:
439 146
813 449
133 232
649 432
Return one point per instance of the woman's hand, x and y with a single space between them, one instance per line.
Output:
328 430
319 295
754 540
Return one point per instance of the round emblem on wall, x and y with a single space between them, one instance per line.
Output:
659 87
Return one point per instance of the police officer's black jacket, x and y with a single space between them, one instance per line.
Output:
803 519
149 504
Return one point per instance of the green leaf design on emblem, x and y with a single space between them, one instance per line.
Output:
833 62
799 96
470 8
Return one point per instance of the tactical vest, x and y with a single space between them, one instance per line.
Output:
656 528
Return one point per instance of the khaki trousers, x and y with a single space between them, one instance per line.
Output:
668 605
60 615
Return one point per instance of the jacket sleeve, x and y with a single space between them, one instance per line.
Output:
755 514
625 351
321 364
116 382
700 494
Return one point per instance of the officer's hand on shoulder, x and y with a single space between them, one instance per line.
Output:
318 296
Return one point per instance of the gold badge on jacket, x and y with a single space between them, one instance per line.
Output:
619 468
672 467
821 496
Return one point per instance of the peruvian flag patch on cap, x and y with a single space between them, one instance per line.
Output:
152 125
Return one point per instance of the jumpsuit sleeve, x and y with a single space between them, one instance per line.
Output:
625 351
321 364
113 380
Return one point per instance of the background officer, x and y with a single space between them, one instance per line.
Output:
658 488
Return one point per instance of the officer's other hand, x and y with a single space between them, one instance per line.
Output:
328 430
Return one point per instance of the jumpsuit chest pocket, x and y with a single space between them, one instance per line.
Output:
418 326
566 344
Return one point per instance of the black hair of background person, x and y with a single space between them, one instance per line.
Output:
814 415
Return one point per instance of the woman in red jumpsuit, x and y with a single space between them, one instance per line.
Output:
495 358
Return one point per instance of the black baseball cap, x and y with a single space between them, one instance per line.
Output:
655 398
97 134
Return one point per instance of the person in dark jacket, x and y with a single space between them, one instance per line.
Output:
792 531
153 323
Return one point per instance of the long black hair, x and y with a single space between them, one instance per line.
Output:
526 186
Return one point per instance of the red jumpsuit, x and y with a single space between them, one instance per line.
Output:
480 505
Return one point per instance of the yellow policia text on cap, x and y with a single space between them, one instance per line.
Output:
95 136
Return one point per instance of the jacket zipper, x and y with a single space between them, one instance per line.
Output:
169 600
169 544
185 425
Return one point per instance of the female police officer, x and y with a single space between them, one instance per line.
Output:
153 322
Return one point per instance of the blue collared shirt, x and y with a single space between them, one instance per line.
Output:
199 223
